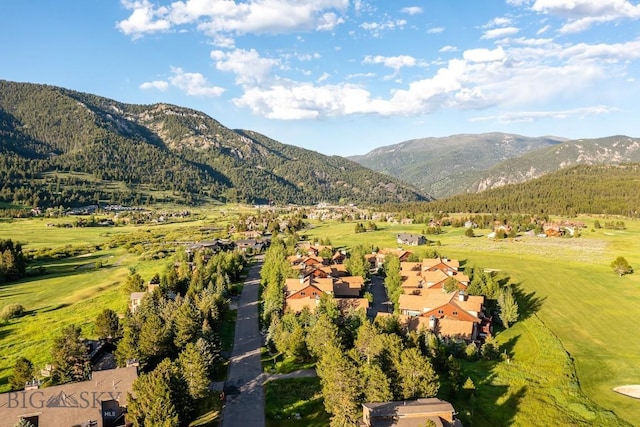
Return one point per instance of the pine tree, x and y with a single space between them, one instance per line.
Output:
393 279
108 325
187 324
376 384
160 398
341 387
70 357
417 376
193 362
23 372
508 307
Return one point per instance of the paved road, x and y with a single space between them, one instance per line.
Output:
244 394
379 297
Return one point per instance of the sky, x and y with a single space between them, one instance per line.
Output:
343 77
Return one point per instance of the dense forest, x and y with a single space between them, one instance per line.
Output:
585 189
64 148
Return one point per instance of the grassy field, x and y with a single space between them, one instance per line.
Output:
579 298
287 397
72 290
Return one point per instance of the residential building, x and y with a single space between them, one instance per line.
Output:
409 413
99 402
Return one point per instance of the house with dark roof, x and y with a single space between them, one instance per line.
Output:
409 413
411 239
99 402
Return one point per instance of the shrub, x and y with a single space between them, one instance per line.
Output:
11 311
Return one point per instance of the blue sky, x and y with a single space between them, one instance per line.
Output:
344 77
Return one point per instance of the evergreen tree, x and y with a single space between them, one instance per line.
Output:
356 264
376 384
70 357
154 340
23 372
108 325
508 307
323 334
160 398
393 279
341 387
417 376
187 324
193 362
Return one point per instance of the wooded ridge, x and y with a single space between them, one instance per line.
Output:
61 147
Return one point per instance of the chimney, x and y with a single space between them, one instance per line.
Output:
432 322
301 278
461 296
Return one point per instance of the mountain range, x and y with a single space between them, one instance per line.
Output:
62 147
466 163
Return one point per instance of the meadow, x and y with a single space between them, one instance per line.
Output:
74 290
576 341
572 294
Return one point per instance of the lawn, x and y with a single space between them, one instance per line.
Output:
295 402
581 301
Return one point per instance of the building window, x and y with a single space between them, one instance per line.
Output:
440 312
302 293
455 313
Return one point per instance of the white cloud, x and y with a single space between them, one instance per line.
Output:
582 14
411 10
328 22
248 66
145 18
603 52
394 62
498 22
436 30
500 32
156 84
219 18
448 48
323 77
484 55
376 28
194 84
531 116
543 30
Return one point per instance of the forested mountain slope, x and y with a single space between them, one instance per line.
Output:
609 150
582 189
61 147
449 165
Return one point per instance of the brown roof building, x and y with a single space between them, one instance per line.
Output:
99 402
409 413
453 314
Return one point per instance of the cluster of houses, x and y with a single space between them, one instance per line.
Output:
434 291
317 276
434 297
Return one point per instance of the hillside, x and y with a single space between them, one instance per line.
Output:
449 165
61 147
534 164
582 189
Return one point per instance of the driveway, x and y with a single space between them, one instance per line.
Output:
243 389
379 297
